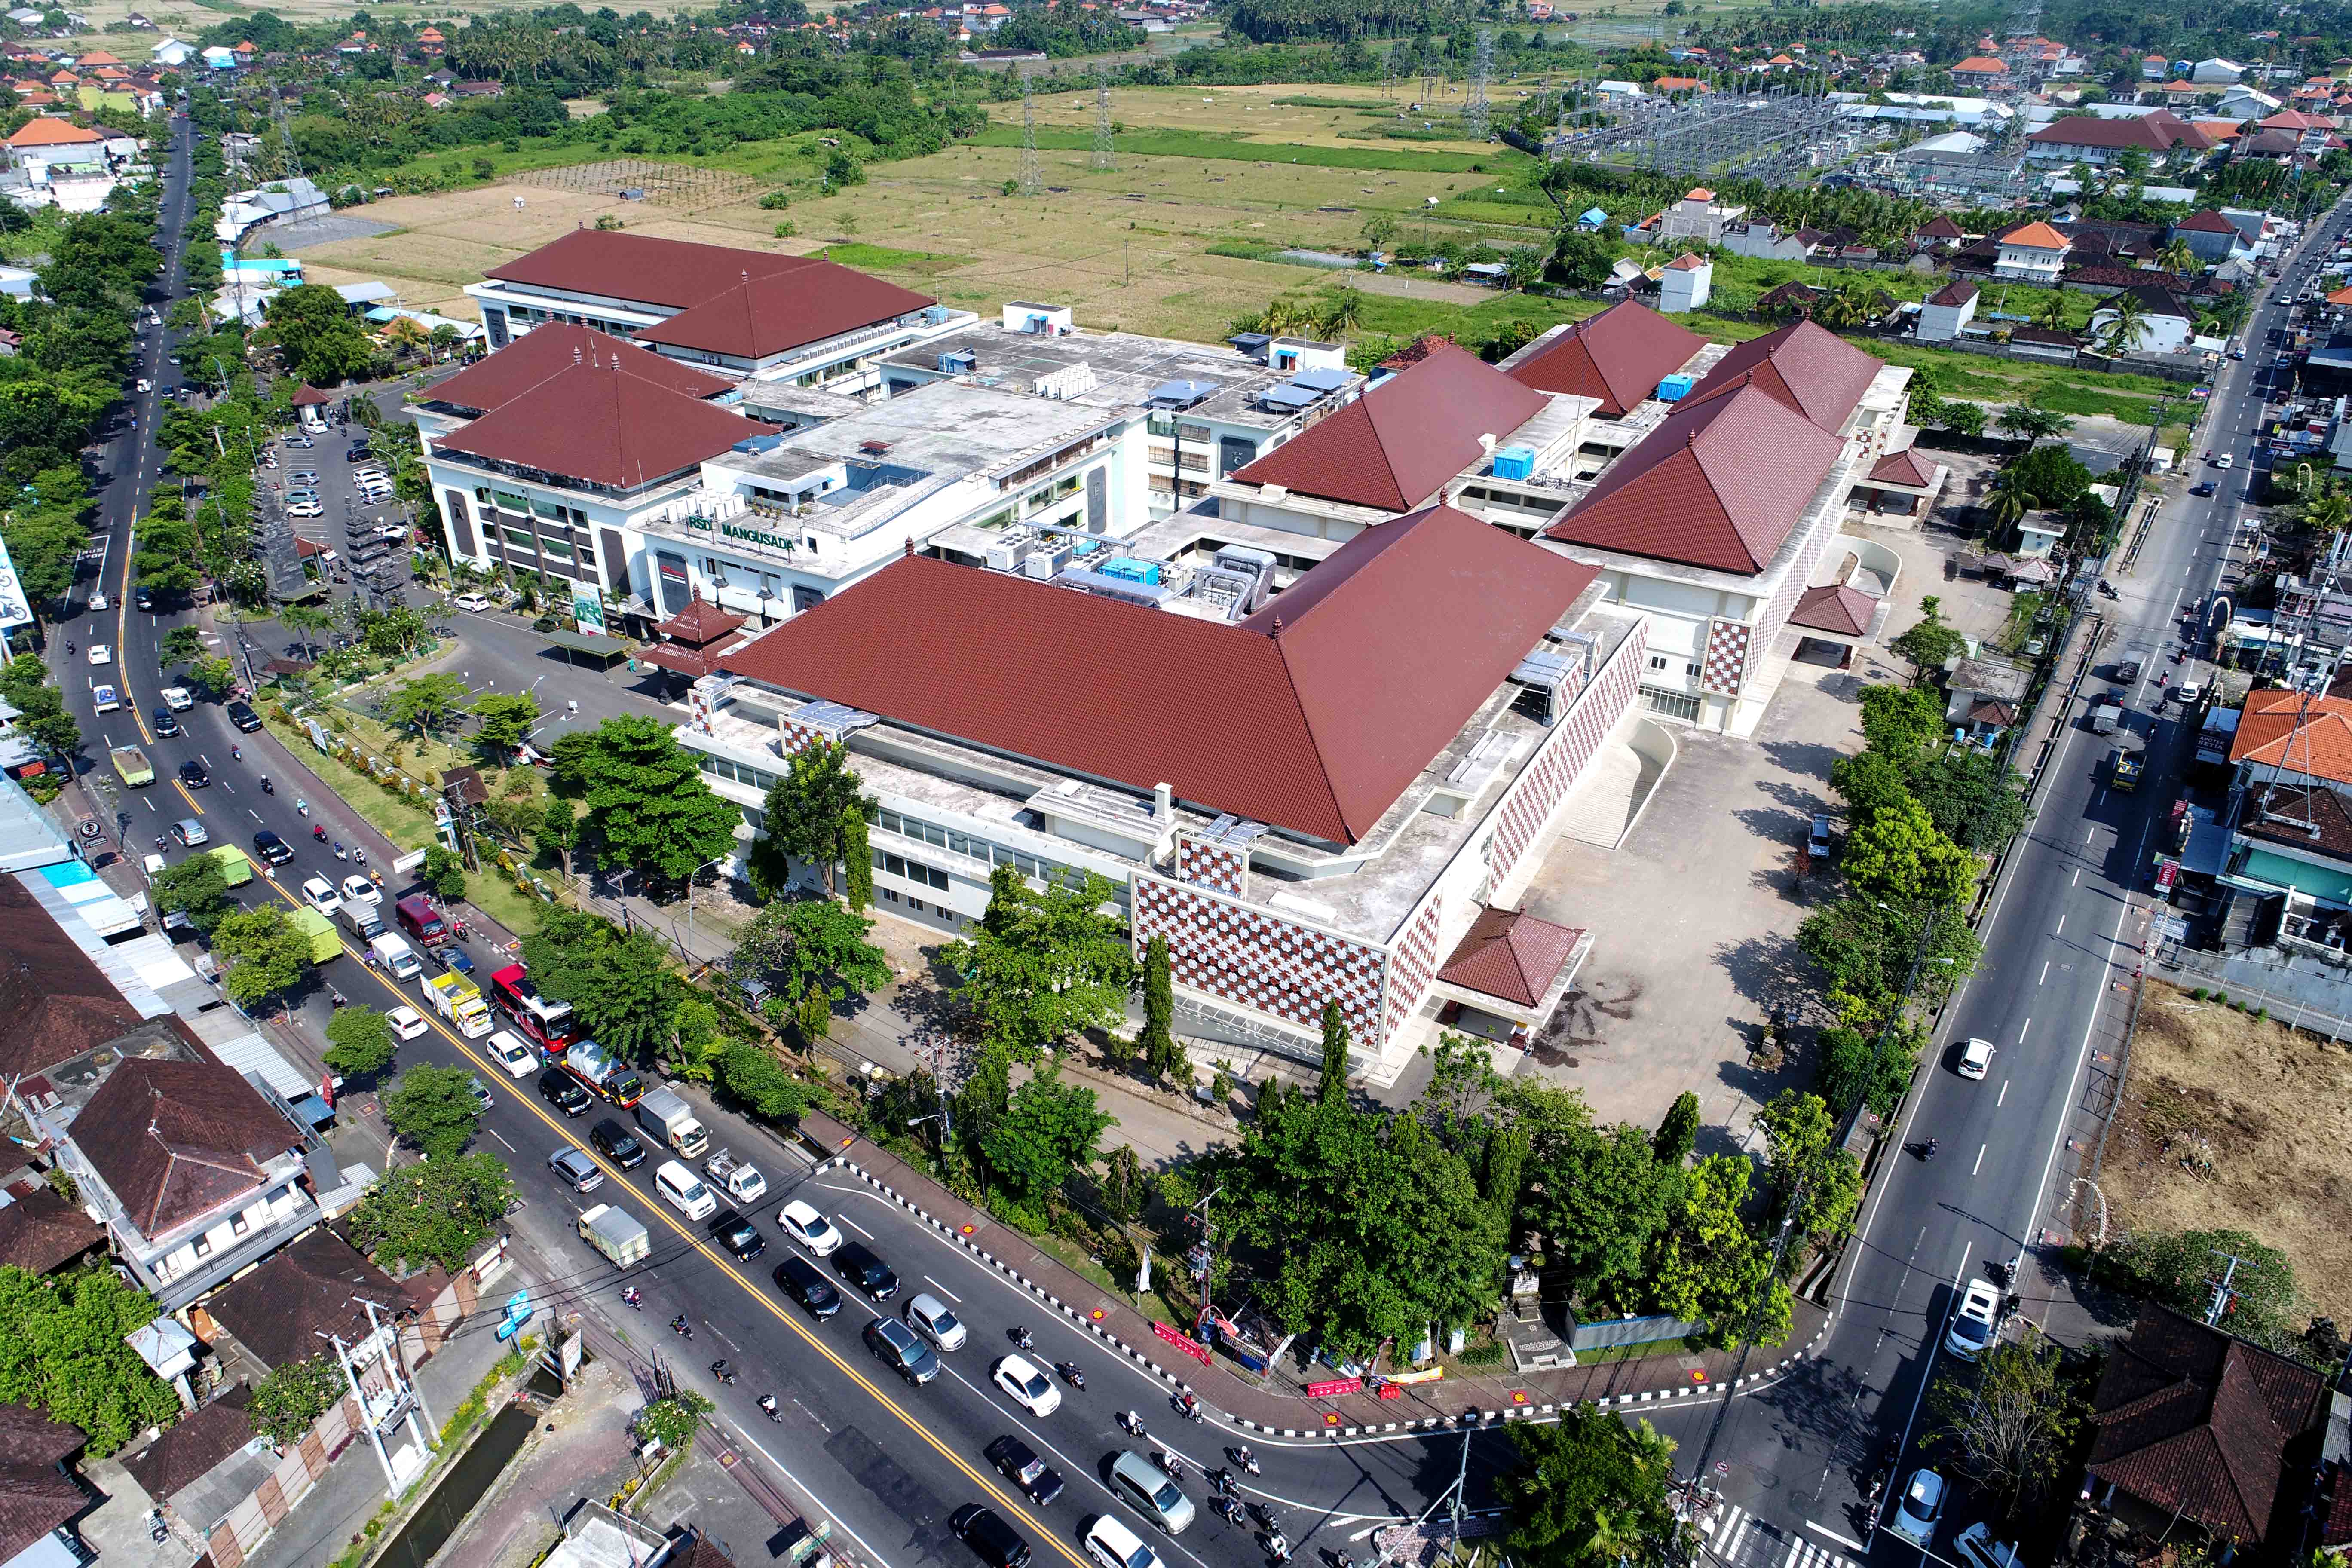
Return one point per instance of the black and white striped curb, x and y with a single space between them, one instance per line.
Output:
1473 1416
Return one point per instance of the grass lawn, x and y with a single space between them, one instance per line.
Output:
406 824
1229 145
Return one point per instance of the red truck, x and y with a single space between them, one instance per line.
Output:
543 1021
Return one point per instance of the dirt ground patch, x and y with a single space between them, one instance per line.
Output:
2230 1121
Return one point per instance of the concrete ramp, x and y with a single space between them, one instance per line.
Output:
1617 784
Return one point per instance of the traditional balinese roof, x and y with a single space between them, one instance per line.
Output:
532 360
41 1232
2302 734
1313 715
174 1140
2156 133
1805 366
2037 236
45 131
1835 608
1618 357
312 1288
1397 444
618 422
1511 955
1718 485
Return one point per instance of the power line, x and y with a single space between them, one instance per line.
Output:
1476 111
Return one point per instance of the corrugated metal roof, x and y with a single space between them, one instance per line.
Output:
1314 715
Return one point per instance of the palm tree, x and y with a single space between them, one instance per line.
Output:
2177 257
305 622
2127 323
2010 498
2050 311
1343 312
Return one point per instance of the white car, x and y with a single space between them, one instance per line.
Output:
1922 1504
100 653
1029 1388
514 1053
406 1023
145 384
1112 1546
2226 460
475 603
105 698
176 698
360 889
306 508
1976 1058
320 893
810 1228
392 530
1976 1320
1976 1548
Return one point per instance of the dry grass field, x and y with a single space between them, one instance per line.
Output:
2232 1121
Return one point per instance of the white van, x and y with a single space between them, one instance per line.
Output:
685 1190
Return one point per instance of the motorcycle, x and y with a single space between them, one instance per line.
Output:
1229 1510
301 805
1021 1336
267 787
1220 1480
342 853
680 1327
1168 1464
634 1297
767 1403
1927 1150
319 834
1131 1424
358 855
723 1373
1245 1459
235 755
1189 1407
1070 1373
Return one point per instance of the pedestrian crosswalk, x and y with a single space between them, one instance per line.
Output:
1738 1539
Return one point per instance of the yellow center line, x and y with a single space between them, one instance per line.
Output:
986 1483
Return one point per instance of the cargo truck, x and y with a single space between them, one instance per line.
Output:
2105 714
611 1231
399 959
739 1176
324 944
595 1066
366 920
2124 770
236 870
459 1000
669 1119
132 766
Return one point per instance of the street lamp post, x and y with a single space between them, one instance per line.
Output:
698 871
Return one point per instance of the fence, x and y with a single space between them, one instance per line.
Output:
643 179
1616 1332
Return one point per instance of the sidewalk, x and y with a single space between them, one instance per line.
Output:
1279 1404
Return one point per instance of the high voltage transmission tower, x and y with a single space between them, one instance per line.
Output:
1476 112
1032 179
1106 157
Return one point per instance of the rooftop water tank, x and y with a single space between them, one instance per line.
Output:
1129 570
1674 388
1515 462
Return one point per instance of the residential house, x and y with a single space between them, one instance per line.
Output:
2166 323
60 163
2209 235
2091 139
40 1496
2287 880
1684 282
1939 232
1699 216
2242 103
2032 253
1979 73
1946 314
40 1232
1985 695
2215 72
2154 67
2198 1430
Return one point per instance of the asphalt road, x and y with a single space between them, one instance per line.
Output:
1793 1461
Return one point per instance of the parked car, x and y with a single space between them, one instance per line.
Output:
1021 1466
576 1170
475 603
853 1262
799 1278
1922 1505
902 1349
993 1541
811 1230
564 1093
617 1143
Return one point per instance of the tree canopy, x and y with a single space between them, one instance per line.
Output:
621 987
1043 966
437 1212
1590 1492
62 1353
434 1107
267 955
645 797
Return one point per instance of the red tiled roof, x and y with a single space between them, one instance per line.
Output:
2206 222
1805 366
2198 1423
811 302
2151 133
1397 444
700 622
1718 485
1976 65
1313 715
309 397
176 1139
190 1448
2276 729
1942 227
2037 236
1618 357
284 1310
46 132
42 1231
612 422
1832 608
57 1003
622 266
1903 468
36 1497
528 361
1512 956
1958 291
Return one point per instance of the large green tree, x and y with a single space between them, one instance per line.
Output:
1900 857
621 987
63 1353
1164 1059
2180 1267
313 327
1930 642
1815 1181
1869 949
360 1042
289 1401
1048 1134
804 817
1707 1267
434 1108
501 719
267 955
438 1212
195 887
1590 1492
645 798
1044 965
1601 1197
426 703
2012 1424
806 941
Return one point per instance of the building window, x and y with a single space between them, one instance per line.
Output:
203 1245
1683 705
238 1224
1657 661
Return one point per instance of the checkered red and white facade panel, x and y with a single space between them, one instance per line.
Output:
792 737
1572 745
1412 969
1727 658
1211 865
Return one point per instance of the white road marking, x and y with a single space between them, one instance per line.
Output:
2021 1029
1833 1535
2061 927
943 1289
2045 974
855 1227
1981 1154
810 1492
2004 1095
494 1132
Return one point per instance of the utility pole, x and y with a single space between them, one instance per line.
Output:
1697 1483
1032 179
1475 112
1106 157
2222 1295
1202 1255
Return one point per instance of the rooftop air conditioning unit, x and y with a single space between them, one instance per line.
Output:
959 362
1007 557
1046 564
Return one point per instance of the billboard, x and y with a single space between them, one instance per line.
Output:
588 608
14 610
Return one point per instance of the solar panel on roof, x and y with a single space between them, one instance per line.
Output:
1288 396
1182 394
1321 378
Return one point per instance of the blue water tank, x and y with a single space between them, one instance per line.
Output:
1674 388
1515 462
1129 570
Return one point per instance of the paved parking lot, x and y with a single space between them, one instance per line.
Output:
1695 914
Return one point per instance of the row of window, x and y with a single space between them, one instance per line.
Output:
987 853
741 772
912 870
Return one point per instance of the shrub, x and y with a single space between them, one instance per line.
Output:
786 229
2261 1012
2198 995
1488 1353
2223 997
776 201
